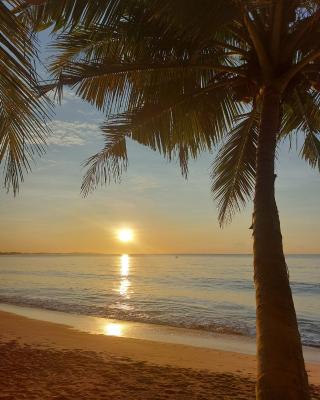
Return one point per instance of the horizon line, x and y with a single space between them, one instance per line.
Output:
2 253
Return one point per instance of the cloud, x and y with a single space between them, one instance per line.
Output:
68 96
141 183
90 113
71 133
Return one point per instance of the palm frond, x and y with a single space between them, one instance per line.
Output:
310 150
174 76
234 168
302 115
67 14
180 125
108 164
173 16
103 62
104 84
22 112
177 126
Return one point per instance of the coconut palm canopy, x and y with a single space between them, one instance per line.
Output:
22 112
184 77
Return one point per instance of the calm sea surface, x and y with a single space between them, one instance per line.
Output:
210 292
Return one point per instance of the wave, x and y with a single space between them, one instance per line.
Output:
127 313
309 329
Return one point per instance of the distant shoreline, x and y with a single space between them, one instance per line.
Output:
17 253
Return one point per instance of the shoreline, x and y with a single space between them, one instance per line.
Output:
139 330
241 344
149 369
33 332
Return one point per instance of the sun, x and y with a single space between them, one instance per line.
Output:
125 235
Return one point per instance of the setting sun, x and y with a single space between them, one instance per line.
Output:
125 235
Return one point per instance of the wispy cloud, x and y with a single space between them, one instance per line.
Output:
71 133
90 113
68 96
141 183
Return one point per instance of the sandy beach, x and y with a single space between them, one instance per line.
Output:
43 360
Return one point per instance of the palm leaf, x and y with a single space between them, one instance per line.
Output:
104 64
302 115
67 14
107 164
179 17
176 126
22 113
234 168
310 150
153 66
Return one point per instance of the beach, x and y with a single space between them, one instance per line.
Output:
45 360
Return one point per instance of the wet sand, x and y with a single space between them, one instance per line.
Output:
44 360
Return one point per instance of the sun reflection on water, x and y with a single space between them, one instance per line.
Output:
125 264
124 272
112 329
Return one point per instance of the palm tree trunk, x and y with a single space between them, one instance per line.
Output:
281 369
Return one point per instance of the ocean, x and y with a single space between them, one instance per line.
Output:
214 293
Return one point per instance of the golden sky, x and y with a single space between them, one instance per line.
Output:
166 213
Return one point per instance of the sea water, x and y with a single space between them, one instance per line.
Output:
205 292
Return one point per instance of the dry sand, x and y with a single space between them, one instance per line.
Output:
42 360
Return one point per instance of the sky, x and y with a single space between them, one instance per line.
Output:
167 213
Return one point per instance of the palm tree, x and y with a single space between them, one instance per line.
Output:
182 77
22 112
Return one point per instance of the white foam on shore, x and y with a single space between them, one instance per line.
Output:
152 332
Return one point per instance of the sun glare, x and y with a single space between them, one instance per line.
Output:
112 329
125 264
125 235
